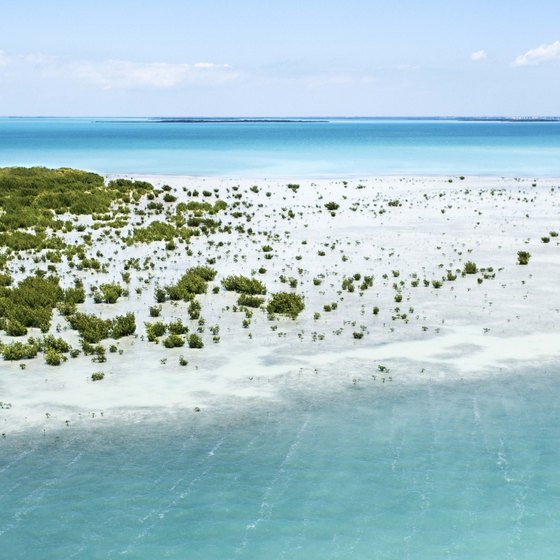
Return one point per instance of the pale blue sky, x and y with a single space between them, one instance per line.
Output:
265 58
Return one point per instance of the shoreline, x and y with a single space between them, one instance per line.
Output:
471 329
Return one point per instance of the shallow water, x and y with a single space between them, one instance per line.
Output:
339 147
437 470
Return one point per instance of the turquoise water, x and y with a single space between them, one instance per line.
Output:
349 147
443 470
436 471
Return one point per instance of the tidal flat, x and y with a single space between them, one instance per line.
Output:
127 298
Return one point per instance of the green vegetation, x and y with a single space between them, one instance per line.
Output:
285 303
160 231
20 350
108 293
470 268
174 341
34 197
193 282
54 357
332 206
93 329
244 285
123 325
523 257
195 341
155 330
245 300
31 303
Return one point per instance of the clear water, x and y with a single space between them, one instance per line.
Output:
338 147
456 470
460 470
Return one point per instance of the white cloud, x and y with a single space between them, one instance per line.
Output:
479 55
543 53
121 74
124 73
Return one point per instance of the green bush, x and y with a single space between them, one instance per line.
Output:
193 282
31 302
470 268
155 330
15 328
110 293
53 357
523 257
205 272
177 327
194 310
332 206
97 376
244 285
155 311
245 300
174 341
285 303
57 344
20 350
123 325
195 341
91 328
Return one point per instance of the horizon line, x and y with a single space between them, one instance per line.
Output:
271 117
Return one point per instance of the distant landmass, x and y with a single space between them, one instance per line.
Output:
181 120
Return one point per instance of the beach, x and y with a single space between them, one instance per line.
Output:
420 319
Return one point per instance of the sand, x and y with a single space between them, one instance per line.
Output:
463 329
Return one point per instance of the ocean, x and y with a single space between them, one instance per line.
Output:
310 148
434 470
457 470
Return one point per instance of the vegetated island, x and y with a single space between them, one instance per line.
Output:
121 293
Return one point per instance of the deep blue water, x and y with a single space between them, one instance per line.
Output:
337 147
450 470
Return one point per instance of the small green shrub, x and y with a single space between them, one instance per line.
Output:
123 325
15 328
245 300
523 257
177 327
244 285
470 268
332 206
174 341
195 341
285 303
20 350
155 330
91 328
58 344
53 357
194 310
155 311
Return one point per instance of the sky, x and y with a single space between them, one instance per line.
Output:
280 58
